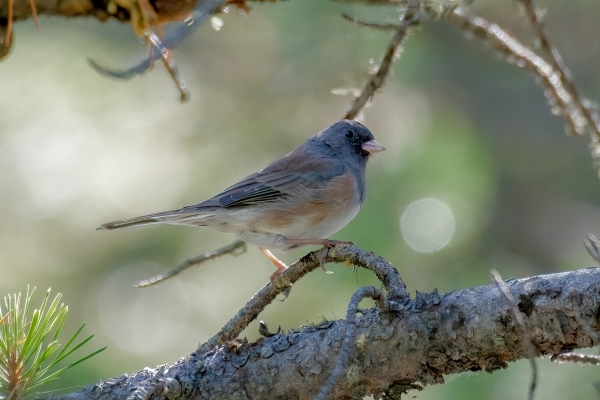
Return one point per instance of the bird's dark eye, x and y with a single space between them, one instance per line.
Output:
349 134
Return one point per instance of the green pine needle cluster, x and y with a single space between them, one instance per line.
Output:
29 350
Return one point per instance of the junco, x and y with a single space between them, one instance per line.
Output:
302 198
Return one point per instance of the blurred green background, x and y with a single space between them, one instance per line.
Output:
461 126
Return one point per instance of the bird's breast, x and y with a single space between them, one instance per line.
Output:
302 213
314 213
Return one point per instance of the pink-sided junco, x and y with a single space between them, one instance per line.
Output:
302 198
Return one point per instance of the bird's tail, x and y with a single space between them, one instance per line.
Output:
183 217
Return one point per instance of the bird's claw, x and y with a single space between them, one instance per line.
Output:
323 258
325 251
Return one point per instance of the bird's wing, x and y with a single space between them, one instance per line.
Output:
295 171
282 177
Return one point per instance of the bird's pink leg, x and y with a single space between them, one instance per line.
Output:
326 243
34 13
280 266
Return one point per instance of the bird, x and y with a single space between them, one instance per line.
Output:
299 199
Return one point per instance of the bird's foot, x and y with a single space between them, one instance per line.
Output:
326 243
325 251
275 275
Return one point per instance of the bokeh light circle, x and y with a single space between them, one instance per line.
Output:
427 225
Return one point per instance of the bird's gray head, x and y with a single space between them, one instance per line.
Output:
349 138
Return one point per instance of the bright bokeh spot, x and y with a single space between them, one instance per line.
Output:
143 321
427 225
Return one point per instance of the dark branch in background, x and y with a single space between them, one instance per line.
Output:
376 25
391 53
432 336
236 248
169 36
522 329
387 274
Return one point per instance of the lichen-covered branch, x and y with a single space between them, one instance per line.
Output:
432 336
348 344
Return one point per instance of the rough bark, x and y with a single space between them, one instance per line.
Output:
432 336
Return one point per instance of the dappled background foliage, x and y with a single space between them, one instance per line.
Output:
460 125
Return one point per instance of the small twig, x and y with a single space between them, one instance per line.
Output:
388 275
391 53
376 25
165 54
523 57
350 337
522 329
577 358
559 65
237 246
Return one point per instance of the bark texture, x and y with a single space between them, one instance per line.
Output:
432 336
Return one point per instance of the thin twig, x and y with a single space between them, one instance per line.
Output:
388 275
524 57
577 358
237 247
349 338
522 329
165 54
559 65
390 55
376 25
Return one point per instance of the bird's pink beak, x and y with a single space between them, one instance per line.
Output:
372 147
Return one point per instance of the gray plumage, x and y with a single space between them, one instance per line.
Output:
310 193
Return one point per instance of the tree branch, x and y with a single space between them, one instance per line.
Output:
563 100
432 336
391 53
564 73
387 274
